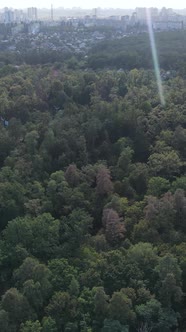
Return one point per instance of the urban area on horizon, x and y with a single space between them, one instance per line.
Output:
162 19
77 30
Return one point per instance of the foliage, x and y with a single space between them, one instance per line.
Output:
93 190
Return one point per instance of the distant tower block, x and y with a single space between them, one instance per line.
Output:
32 13
52 13
95 12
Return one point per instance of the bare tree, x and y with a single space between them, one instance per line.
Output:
144 327
103 180
114 228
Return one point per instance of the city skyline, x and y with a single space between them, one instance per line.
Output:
179 4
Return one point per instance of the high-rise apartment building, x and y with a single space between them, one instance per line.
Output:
8 16
19 16
32 13
154 12
140 14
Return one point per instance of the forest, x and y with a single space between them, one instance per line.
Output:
92 199
135 52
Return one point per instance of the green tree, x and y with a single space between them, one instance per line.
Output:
31 141
62 274
155 317
4 321
139 178
169 286
12 200
101 304
17 307
113 326
124 162
30 326
158 186
49 325
62 308
179 183
120 309
166 164
74 229
40 236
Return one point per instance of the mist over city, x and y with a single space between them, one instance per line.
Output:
98 3
9 15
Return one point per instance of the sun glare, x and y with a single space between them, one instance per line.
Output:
155 57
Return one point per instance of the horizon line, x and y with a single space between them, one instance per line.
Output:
88 8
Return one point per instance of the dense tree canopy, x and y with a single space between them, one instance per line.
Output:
93 196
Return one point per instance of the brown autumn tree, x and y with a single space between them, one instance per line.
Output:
103 181
72 175
114 228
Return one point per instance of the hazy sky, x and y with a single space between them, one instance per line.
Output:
93 3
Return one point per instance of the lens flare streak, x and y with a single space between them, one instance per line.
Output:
155 57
